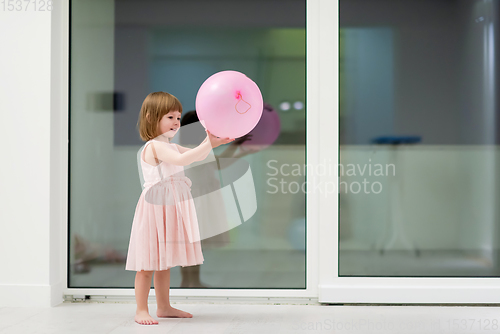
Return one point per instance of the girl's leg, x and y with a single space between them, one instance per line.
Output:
162 291
142 286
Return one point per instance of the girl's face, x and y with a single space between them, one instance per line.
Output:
170 123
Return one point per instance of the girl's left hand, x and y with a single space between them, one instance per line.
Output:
243 139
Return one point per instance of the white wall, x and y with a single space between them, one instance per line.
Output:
31 229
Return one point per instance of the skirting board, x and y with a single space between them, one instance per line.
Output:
27 295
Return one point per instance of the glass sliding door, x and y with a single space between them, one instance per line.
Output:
418 152
420 114
123 50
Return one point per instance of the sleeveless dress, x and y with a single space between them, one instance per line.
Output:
164 234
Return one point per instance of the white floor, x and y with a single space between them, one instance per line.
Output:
97 318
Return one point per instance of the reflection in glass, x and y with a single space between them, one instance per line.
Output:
418 138
123 50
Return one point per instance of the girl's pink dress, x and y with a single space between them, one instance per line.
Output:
162 234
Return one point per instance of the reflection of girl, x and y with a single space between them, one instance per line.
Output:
191 274
87 252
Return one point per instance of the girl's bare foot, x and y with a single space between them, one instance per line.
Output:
143 318
172 313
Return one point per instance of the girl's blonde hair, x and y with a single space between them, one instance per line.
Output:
154 107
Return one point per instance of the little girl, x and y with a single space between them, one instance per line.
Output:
158 240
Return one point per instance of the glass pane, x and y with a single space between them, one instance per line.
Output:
123 50
418 138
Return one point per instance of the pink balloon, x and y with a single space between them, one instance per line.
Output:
229 103
266 131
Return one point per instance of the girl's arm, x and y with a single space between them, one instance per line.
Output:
169 155
183 149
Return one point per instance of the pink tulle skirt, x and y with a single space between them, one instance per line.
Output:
165 230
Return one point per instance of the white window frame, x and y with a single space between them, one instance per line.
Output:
323 283
59 178
335 289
